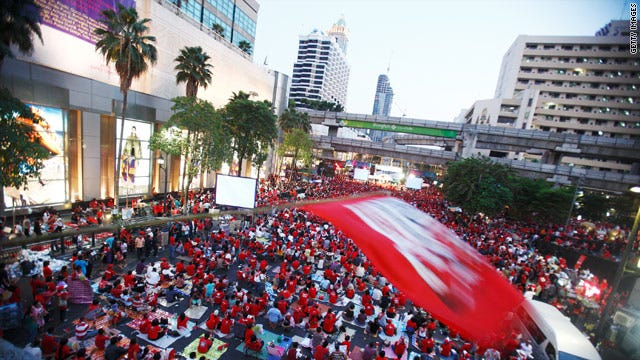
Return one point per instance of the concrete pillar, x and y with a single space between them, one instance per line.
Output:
333 131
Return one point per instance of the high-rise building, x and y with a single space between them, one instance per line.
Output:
384 96
381 104
587 85
236 18
321 71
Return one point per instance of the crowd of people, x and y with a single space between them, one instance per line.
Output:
319 281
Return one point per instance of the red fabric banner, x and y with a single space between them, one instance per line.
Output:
581 259
428 262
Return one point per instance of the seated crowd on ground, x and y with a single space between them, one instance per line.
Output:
321 281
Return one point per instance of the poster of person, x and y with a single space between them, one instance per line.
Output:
51 187
134 158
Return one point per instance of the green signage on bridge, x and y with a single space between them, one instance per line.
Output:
407 129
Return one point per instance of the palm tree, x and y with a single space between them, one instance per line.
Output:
218 29
124 43
19 21
193 69
292 119
245 46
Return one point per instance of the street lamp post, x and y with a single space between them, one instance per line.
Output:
163 166
611 301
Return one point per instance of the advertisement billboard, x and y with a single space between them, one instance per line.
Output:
77 17
52 186
135 169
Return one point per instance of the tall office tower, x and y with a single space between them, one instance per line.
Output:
587 85
321 71
382 104
237 18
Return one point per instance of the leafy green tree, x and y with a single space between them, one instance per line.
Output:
291 119
258 160
196 132
479 185
19 23
245 46
193 68
525 196
298 145
252 125
218 29
21 155
321 105
123 42
552 204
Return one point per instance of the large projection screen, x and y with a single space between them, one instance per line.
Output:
414 183
235 191
361 174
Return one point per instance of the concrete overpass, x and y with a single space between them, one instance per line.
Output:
457 138
483 136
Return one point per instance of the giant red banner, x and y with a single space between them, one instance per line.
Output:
428 262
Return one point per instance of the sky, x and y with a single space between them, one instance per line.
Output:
441 55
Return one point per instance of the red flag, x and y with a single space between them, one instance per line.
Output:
581 259
428 262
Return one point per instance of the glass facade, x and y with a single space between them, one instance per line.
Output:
208 19
222 12
245 23
52 185
135 169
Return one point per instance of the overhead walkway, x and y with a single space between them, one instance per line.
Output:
498 138
563 174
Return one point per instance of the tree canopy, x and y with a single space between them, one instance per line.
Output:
19 23
298 145
320 105
480 185
196 132
291 119
245 46
251 124
193 68
123 41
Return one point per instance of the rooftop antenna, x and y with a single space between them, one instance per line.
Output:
389 63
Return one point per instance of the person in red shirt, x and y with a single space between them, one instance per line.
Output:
399 348
180 267
134 349
347 344
321 352
183 321
225 325
101 340
191 269
389 329
254 344
204 344
47 273
129 280
48 343
213 321
63 351
381 355
426 345
333 296
155 331
328 325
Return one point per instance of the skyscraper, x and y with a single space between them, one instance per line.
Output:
381 104
321 71
384 96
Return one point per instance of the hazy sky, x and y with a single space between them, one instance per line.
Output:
444 54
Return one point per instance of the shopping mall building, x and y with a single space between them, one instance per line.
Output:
69 83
